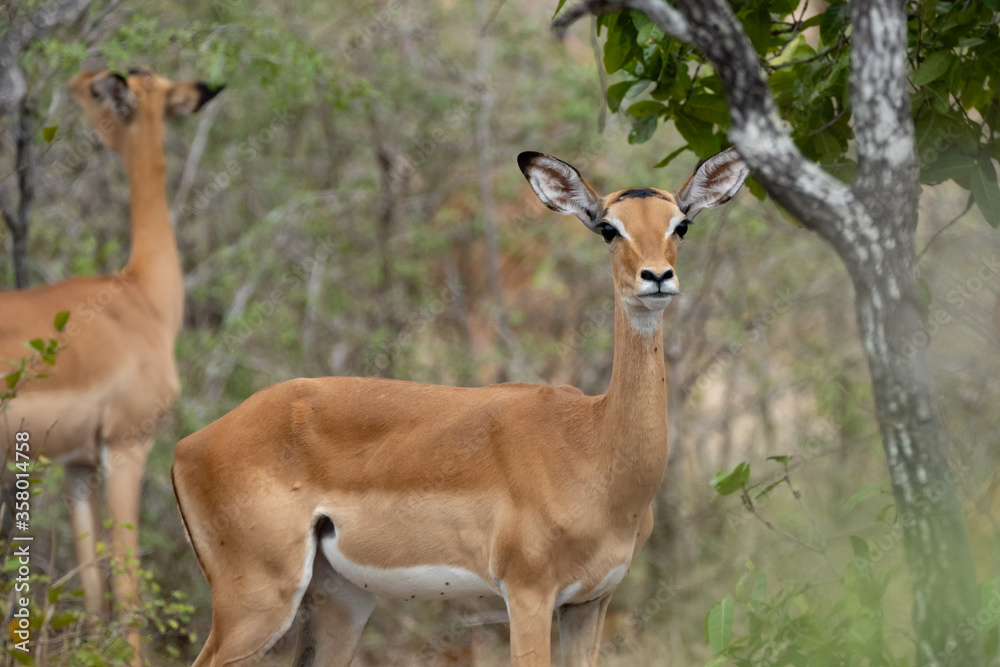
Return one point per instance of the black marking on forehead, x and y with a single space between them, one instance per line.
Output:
640 193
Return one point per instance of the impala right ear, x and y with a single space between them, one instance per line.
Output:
560 187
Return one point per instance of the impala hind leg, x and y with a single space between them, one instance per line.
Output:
332 616
580 631
255 594
530 627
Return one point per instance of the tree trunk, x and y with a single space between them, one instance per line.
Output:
870 225
17 218
928 508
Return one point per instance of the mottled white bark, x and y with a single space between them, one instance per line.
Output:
870 225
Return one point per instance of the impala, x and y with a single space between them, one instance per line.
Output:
115 379
316 496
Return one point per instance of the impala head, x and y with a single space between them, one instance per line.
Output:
642 226
114 103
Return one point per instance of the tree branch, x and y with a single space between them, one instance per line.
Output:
933 238
666 18
194 157
886 179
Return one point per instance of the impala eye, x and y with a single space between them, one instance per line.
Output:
682 227
608 232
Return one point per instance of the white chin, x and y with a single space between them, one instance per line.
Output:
656 303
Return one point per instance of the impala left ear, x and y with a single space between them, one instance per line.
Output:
188 97
715 181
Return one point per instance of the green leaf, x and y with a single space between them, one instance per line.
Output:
22 657
645 108
558 7
642 130
37 344
832 23
61 318
698 134
933 68
860 549
719 625
616 93
49 133
643 26
708 107
865 494
728 483
783 7
13 378
780 458
63 619
986 192
757 25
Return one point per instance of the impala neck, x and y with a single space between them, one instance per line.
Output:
153 263
635 415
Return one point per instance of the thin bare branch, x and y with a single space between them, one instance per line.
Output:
933 238
194 157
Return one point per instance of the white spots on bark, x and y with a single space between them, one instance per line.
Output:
924 412
883 128
877 301
894 292
905 443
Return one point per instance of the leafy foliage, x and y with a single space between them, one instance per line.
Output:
57 618
954 52
809 623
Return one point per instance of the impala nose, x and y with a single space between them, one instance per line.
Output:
646 274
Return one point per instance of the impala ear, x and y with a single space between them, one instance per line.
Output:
560 187
112 91
188 97
715 181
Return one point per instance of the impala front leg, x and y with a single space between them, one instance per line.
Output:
124 485
580 628
530 627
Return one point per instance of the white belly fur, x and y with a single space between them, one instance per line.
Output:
424 582
572 595
444 582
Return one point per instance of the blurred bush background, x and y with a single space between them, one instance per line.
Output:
351 205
